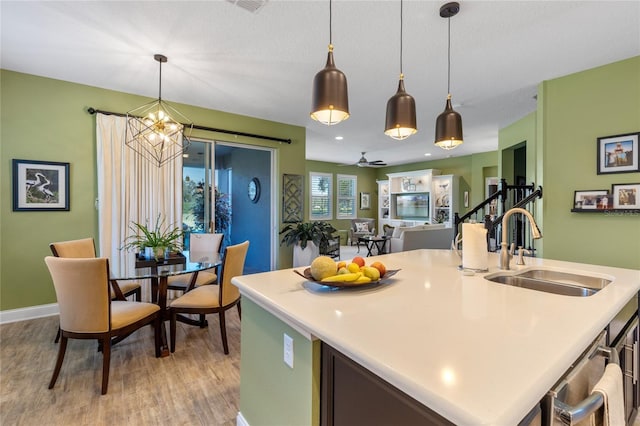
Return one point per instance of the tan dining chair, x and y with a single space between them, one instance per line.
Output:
210 299
87 311
86 248
200 245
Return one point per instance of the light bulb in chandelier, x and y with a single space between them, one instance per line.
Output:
156 130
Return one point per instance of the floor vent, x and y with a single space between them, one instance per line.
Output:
252 6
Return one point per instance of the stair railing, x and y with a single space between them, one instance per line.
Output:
508 196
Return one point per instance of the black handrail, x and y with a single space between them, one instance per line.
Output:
502 194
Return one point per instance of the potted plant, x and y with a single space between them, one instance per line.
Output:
159 239
306 239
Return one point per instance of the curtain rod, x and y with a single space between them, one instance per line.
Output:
92 111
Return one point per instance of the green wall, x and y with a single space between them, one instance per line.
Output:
46 119
575 111
271 393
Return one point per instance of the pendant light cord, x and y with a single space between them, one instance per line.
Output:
401 6
449 58
160 83
330 30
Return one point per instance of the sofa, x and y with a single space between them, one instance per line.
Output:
360 228
435 236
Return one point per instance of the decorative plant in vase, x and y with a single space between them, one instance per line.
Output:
307 238
160 238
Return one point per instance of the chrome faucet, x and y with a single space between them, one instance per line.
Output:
505 255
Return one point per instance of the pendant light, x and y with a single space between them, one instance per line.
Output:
449 122
155 130
330 102
401 107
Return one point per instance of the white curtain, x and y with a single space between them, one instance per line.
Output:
131 189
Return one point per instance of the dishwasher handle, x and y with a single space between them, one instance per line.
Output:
571 415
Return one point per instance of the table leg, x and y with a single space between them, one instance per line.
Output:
370 246
161 298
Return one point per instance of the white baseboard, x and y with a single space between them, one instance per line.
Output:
32 312
240 421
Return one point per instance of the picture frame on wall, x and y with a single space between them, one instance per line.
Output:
626 196
40 185
618 154
365 201
590 200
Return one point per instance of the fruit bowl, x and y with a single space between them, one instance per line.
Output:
306 274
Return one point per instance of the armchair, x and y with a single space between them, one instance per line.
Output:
360 228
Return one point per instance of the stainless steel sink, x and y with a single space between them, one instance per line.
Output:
550 281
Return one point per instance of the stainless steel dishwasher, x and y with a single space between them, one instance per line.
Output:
570 401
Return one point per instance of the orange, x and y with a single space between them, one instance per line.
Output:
380 267
358 260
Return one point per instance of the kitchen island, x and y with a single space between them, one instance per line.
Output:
473 351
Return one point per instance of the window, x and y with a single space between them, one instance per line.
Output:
320 196
346 197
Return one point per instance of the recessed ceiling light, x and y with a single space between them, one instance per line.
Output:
185 155
428 154
339 138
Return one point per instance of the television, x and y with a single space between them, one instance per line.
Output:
412 206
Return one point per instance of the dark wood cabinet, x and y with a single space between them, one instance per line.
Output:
351 395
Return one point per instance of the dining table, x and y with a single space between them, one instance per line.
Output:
158 271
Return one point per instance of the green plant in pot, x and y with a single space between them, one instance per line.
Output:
301 234
160 238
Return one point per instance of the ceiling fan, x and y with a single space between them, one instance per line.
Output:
363 162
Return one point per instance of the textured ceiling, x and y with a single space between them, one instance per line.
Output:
262 64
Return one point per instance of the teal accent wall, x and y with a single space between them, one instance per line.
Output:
271 393
46 119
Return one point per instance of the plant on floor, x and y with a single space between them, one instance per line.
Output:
301 233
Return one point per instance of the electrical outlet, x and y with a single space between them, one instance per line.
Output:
288 350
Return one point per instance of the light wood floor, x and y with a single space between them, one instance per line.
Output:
196 385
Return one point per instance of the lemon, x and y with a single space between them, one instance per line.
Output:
322 267
353 267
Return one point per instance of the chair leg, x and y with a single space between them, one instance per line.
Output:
57 339
223 333
61 351
203 321
157 329
106 360
239 310
172 331
137 296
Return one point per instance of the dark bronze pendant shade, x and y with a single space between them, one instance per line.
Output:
448 127
449 123
401 114
330 101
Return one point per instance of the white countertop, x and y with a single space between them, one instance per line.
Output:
474 351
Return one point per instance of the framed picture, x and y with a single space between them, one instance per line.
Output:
588 200
40 185
626 196
618 154
365 201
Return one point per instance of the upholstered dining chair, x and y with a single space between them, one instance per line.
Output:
200 245
209 299
87 311
86 248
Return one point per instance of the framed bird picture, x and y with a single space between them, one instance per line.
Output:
40 185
